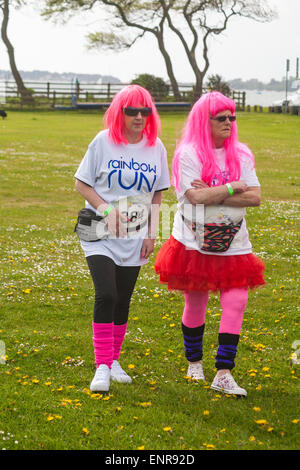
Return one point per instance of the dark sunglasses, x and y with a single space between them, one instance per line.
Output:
223 118
129 111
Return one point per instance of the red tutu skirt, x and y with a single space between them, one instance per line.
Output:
189 270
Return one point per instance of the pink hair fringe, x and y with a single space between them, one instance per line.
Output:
131 95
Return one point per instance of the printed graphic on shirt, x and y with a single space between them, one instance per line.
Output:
220 178
129 174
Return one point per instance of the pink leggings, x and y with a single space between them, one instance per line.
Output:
233 303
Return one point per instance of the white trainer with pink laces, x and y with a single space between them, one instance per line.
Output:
226 383
195 371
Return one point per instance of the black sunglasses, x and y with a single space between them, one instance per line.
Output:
223 118
130 111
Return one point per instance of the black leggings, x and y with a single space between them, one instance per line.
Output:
113 289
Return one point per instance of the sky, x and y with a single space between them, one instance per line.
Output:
246 50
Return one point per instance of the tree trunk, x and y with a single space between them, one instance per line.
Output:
26 96
169 67
198 88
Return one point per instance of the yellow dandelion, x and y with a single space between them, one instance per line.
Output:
86 431
50 418
251 438
141 448
96 395
205 412
256 408
261 421
145 404
295 421
167 429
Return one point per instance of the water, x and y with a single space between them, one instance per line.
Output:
264 97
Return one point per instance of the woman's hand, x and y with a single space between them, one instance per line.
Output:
239 186
115 223
147 247
199 184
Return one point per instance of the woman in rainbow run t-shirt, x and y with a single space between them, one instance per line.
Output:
121 177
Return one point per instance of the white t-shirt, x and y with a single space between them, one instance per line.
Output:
120 171
190 169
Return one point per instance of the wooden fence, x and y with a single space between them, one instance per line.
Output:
55 93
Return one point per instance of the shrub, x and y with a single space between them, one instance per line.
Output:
155 85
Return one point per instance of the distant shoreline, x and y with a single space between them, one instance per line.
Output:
252 84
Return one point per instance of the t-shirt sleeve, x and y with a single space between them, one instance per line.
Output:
88 167
248 173
164 179
189 169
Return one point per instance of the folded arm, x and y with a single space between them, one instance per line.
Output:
249 198
244 196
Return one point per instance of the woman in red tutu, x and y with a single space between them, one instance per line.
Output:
209 249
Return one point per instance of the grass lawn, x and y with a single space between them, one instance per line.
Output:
47 295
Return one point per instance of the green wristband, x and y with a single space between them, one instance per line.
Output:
230 189
108 210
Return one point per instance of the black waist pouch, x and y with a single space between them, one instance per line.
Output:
89 226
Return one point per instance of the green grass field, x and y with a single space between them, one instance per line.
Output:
47 295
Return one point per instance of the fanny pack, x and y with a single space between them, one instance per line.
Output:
91 227
213 237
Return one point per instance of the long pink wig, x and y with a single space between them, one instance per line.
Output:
131 95
197 132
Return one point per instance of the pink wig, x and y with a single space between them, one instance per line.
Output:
131 95
197 132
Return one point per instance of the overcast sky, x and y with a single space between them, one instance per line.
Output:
246 50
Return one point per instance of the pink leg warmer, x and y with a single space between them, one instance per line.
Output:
103 343
194 309
233 302
119 334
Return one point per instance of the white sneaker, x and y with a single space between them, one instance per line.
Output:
101 380
195 371
226 383
118 374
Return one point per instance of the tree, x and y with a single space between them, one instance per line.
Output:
193 22
26 95
155 85
216 82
